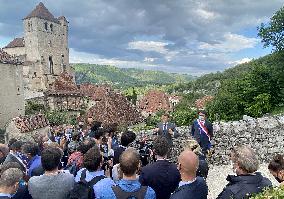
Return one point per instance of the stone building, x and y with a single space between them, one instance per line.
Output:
64 95
12 102
44 48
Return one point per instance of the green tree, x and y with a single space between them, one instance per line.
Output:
272 34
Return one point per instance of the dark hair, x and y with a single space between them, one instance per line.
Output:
16 146
129 161
8 165
11 141
203 112
127 138
30 148
92 159
277 163
99 133
167 115
161 146
50 158
96 125
86 145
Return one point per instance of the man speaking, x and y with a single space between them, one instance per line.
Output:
166 129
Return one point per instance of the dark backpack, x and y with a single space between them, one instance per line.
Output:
121 194
84 189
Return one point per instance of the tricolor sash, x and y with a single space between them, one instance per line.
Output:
203 128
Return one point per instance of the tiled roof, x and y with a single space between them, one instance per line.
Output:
64 85
42 12
201 103
30 123
114 108
154 101
17 42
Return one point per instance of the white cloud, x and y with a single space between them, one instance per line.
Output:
147 46
205 14
241 61
231 43
149 59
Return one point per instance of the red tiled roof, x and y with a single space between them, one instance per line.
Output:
96 92
64 85
17 42
30 123
115 108
154 101
42 12
201 103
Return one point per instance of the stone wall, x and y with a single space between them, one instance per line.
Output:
12 102
265 135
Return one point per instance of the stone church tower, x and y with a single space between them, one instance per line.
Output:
44 48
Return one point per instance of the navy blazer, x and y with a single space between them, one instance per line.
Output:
197 190
162 176
166 133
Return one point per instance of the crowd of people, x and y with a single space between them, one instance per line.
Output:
91 161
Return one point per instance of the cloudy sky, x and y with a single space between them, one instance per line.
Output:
185 36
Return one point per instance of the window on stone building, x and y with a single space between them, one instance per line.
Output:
45 25
50 65
62 64
49 43
18 91
51 27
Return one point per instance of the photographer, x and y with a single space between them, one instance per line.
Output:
161 175
126 139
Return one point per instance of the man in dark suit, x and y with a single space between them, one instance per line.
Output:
190 186
166 129
202 131
161 175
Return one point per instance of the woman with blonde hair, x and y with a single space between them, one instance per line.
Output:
203 165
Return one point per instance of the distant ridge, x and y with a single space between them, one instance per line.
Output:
125 77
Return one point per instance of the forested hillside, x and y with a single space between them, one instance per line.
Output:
125 77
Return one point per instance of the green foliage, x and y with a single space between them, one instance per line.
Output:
153 120
33 108
59 118
272 34
272 193
125 77
258 91
260 106
183 117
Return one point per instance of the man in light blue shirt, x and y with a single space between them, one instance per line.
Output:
129 185
92 167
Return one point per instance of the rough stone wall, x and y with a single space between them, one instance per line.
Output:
12 102
17 51
265 135
41 43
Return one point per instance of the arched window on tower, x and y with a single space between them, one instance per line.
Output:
50 65
51 27
45 25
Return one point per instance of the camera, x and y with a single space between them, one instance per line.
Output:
145 151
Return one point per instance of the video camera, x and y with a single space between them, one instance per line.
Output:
145 150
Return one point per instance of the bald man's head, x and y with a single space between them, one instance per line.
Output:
188 162
129 161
